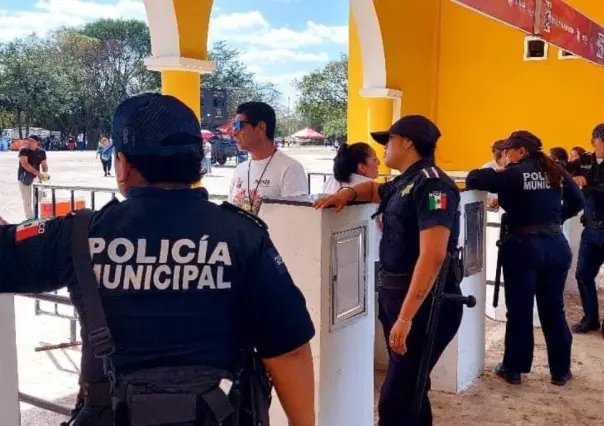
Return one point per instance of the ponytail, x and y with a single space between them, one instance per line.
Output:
348 159
554 171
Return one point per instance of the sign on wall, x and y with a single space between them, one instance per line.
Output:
565 27
516 13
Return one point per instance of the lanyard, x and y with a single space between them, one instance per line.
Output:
249 193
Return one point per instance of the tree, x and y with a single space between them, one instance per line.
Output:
323 96
241 84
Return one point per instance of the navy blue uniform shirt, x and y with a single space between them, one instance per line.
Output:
526 194
183 281
588 167
421 198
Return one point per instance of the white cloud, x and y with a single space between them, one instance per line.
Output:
259 41
282 55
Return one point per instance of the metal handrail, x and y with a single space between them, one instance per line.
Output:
44 404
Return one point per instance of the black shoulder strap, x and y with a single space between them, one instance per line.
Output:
99 335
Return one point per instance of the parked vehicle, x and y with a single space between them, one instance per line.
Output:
222 150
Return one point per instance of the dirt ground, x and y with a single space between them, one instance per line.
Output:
493 402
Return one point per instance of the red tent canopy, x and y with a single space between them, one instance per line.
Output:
226 128
308 133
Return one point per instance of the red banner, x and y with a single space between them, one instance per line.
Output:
516 13
565 27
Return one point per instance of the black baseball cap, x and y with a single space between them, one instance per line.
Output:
155 125
598 132
417 128
522 139
35 138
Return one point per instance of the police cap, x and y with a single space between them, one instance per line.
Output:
522 139
155 125
598 132
417 128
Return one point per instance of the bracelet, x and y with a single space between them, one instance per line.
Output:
404 321
351 189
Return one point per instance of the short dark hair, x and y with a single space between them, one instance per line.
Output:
183 168
559 154
579 149
256 112
348 159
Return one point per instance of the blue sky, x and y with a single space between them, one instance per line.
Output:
280 39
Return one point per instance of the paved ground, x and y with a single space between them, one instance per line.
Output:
53 375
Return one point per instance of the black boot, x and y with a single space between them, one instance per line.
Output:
562 380
511 377
585 326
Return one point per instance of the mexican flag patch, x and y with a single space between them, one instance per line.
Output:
437 201
29 230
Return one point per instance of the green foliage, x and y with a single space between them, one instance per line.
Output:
323 97
232 74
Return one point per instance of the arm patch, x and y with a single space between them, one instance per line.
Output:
250 216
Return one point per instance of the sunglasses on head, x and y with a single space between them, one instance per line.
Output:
238 125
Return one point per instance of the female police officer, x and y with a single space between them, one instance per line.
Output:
420 226
538 196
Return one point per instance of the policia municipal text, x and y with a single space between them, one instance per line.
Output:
538 196
182 302
420 228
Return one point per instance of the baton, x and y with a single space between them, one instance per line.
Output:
499 266
439 296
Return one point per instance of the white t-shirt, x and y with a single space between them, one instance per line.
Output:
276 177
332 185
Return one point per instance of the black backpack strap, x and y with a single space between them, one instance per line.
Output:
98 333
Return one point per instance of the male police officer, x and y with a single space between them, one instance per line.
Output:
421 225
184 282
589 174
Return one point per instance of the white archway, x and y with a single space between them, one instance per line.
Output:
372 47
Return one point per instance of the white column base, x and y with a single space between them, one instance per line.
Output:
9 382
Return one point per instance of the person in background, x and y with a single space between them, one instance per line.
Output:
105 151
269 172
576 152
207 156
31 159
559 155
588 172
538 195
353 164
497 163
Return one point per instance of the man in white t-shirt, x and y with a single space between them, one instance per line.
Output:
269 173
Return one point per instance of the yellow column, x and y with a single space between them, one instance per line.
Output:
185 86
379 118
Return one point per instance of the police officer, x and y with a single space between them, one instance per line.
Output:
420 226
589 174
538 196
184 282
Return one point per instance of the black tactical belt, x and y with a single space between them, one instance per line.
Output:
594 224
389 281
536 229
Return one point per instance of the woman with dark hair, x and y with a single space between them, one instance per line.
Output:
353 164
559 155
576 152
538 195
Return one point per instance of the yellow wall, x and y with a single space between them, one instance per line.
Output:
357 113
410 45
486 90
